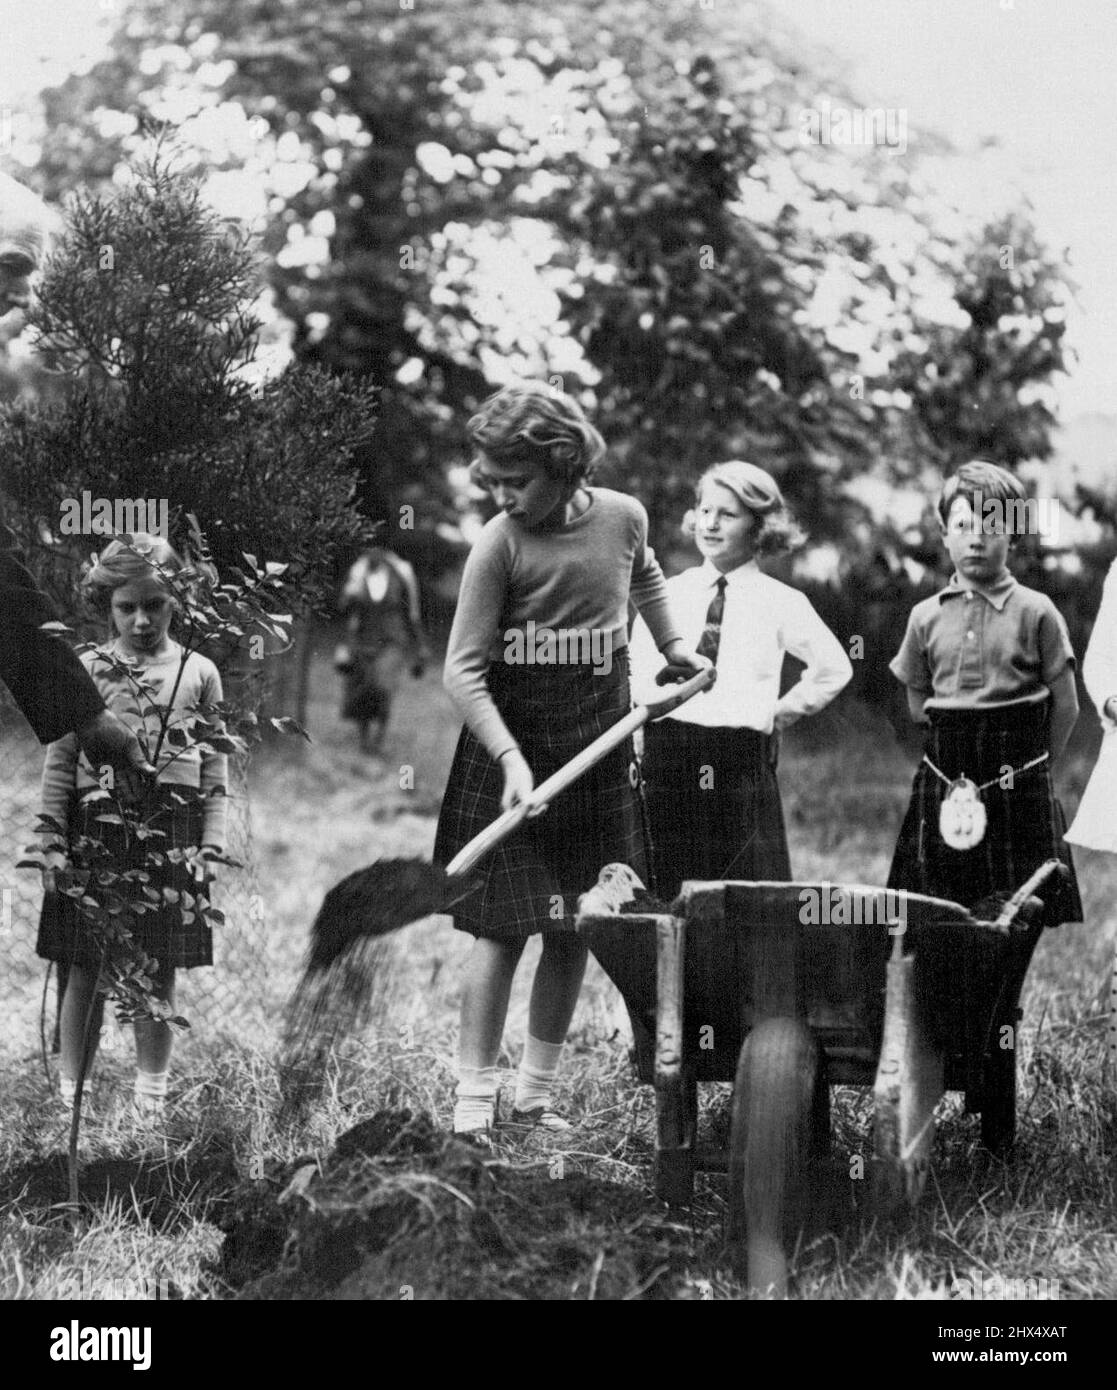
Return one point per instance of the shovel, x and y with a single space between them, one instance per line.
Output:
393 892
344 961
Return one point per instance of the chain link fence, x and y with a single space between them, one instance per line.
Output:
237 982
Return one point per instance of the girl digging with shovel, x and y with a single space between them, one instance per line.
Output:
537 664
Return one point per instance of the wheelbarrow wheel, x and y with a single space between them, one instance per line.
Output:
779 1134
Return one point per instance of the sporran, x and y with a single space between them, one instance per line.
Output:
962 817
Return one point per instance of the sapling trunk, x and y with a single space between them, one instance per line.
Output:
79 1091
43 1022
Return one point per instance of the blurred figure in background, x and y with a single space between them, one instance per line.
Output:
383 634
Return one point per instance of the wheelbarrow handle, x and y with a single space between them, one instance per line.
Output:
1026 891
569 773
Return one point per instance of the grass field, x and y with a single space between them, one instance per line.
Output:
233 1203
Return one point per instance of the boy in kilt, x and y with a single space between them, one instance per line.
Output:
537 665
989 669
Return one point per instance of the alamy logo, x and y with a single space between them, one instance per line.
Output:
566 646
1019 516
102 516
77 1343
883 127
996 1286
832 905
89 1288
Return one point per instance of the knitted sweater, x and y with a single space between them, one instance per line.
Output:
579 576
66 770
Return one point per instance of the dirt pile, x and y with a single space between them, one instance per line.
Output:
401 1210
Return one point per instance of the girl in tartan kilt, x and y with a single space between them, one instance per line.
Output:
124 586
537 665
989 670
714 808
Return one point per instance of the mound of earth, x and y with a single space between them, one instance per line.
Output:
401 1210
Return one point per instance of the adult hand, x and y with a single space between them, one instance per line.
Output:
108 740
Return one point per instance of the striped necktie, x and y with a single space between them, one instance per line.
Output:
711 634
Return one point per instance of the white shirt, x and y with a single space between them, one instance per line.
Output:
763 619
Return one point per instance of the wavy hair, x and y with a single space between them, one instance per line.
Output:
980 481
123 561
534 423
759 493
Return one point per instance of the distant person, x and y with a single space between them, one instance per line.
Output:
714 809
383 635
46 680
123 587
989 669
1095 825
561 555
26 224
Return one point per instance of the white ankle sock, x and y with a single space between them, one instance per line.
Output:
151 1089
476 1093
536 1075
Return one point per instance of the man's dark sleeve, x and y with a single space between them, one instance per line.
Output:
50 685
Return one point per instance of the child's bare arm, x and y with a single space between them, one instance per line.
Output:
1064 711
916 700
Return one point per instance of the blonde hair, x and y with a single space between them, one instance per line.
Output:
123 561
533 422
759 493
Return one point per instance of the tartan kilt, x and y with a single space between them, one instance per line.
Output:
64 938
714 809
532 881
1025 823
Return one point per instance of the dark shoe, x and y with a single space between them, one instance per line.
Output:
542 1117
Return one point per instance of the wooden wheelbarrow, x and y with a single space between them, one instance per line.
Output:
787 988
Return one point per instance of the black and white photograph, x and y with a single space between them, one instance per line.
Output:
558 666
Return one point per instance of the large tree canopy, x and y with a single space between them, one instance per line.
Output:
641 201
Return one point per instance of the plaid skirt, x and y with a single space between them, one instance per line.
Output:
714 809
65 938
1025 823
532 881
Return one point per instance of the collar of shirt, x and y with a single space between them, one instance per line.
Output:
997 594
707 574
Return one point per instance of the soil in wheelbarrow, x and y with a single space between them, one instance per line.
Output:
402 1210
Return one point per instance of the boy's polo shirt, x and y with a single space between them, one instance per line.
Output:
976 648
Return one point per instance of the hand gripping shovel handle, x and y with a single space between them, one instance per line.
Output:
492 835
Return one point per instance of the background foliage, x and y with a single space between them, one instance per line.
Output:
619 196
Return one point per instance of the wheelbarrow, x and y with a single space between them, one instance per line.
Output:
785 989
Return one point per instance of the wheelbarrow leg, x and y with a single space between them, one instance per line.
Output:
909 1083
998 1072
998 1090
677 1121
676 1091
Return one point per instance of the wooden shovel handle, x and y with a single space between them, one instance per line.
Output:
504 825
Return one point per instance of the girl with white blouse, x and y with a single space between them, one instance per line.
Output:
709 768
